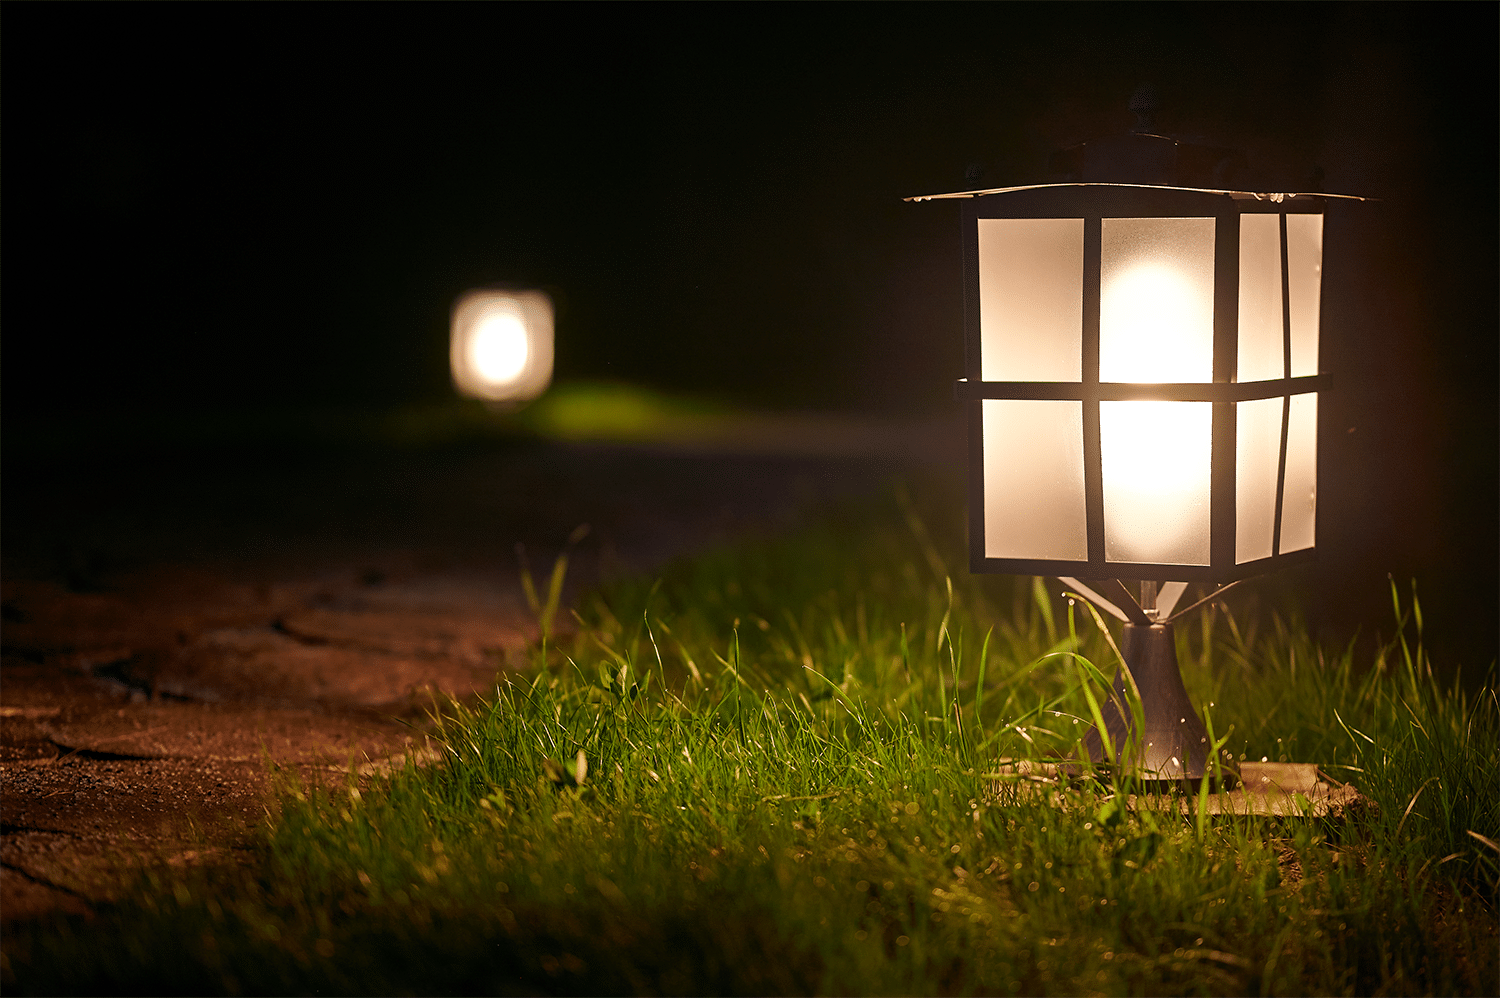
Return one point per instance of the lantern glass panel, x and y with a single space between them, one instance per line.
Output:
1033 479
1156 300
1299 504
1262 348
1031 299
1257 454
1304 258
1156 459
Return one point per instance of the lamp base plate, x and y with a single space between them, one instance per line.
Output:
1266 789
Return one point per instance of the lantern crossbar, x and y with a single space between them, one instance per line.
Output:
979 564
966 390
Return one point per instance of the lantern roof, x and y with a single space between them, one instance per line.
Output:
1145 158
1275 196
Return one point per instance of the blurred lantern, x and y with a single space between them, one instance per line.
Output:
500 345
1142 391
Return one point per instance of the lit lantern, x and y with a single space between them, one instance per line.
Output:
1142 381
1142 391
500 345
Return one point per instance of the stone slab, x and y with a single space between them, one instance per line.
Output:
1268 789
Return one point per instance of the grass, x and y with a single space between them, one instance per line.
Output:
776 769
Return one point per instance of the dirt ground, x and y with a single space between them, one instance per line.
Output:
176 624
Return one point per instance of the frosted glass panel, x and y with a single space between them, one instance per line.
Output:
1033 480
1031 299
1156 458
1257 451
1304 258
1156 300
1261 355
1299 507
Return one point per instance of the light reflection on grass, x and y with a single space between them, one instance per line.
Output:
621 412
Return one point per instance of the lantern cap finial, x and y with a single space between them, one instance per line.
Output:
1145 155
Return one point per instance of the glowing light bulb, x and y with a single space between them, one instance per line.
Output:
498 348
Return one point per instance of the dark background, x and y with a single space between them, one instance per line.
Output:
211 207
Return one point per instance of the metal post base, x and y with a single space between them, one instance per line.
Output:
1172 750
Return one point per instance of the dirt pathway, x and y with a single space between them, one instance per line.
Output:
173 624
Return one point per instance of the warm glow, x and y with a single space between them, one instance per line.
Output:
1304 261
1155 460
1262 352
1031 299
1033 479
1156 300
1157 312
501 345
1257 442
1299 506
498 349
1156 321
1156 328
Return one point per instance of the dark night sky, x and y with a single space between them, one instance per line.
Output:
240 206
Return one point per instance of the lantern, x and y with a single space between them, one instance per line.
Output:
500 345
1142 381
1142 389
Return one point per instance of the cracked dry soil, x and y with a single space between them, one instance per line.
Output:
175 625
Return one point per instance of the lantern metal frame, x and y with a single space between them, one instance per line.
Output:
1093 203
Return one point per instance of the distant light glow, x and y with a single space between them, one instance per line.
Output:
498 348
501 345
